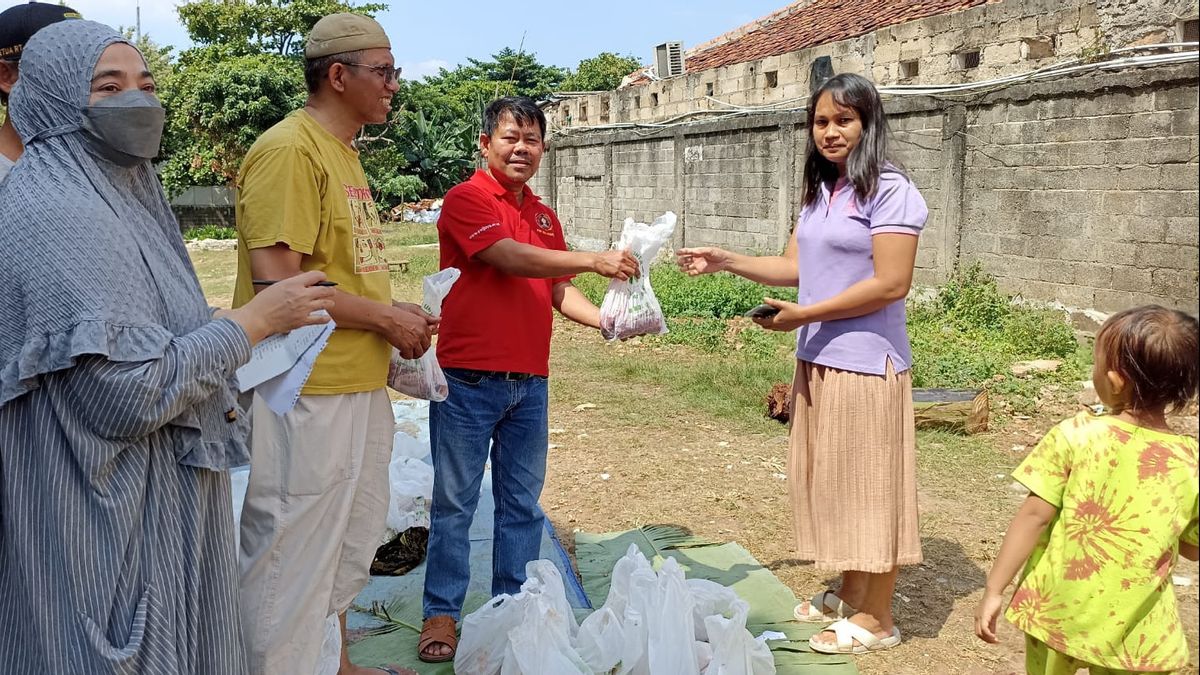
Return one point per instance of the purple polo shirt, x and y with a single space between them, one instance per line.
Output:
834 235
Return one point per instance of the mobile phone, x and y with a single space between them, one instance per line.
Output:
762 312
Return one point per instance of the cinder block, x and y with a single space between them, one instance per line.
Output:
1151 124
1177 98
1176 284
1169 256
1133 279
1168 204
1115 301
1183 231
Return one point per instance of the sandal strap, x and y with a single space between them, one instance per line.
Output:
438 630
828 602
847 632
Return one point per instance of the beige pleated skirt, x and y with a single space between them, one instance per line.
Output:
852 469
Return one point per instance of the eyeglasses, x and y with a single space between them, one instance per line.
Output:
388 74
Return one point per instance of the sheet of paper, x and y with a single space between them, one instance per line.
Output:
281 392
276 354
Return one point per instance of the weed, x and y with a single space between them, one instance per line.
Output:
209 232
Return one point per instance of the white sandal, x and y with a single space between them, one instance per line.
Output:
831 609
847 633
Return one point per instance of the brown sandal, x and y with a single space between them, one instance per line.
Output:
438 630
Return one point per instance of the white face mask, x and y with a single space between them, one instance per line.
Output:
126 128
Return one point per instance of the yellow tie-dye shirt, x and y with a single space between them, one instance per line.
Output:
1098 585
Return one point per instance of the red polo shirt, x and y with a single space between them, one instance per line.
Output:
492 320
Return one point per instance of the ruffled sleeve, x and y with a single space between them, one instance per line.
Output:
121 402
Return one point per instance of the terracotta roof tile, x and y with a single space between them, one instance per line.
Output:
820 22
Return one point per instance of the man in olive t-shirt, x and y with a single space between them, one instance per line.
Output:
318 493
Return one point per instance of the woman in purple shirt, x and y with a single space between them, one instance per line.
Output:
852 464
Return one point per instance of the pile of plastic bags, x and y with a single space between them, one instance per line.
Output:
411 480
630 308
653 623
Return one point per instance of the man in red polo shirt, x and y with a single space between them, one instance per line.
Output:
494 346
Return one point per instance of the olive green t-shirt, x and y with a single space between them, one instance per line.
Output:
301 186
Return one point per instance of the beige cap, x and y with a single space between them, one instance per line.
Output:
341 33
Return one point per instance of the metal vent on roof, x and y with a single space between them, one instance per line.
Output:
668 59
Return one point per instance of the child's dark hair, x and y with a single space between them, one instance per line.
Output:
869 158
522 108
1157 351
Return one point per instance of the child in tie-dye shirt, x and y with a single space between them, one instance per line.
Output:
1112 504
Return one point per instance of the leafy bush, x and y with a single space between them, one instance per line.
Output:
966 335
970 332
714 296
210 232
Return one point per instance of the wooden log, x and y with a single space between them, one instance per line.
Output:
951 410
957 410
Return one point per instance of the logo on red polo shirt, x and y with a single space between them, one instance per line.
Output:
543 222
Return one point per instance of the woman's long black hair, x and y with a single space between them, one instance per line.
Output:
869 158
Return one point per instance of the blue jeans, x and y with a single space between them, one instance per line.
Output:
513 416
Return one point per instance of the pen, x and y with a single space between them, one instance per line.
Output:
268 282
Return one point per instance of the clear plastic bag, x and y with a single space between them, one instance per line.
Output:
411 482
601 640
543 579
672 629
484 639
330 660
630 308
423 377
734 649
710 598
541 645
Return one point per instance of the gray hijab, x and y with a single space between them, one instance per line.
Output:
91 258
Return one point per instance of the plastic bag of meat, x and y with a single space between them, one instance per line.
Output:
423 377
630 308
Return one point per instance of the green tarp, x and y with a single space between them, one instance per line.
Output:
771 603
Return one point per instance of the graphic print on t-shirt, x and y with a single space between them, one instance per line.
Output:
368 233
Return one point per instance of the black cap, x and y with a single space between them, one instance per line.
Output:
18 24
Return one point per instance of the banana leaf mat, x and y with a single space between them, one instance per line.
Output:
385 624
771 602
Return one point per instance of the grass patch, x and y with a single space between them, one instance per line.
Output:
209 232
969 334
717 296
401 234
655 384
966 336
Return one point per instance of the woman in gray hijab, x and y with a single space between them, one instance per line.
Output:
118 418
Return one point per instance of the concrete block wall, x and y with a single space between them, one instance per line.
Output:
643 179
1011 36
731 189
1081 191
918 147
1087 199
190 216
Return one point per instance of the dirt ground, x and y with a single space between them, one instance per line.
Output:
615 469
640 457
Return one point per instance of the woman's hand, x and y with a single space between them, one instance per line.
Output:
703 260
285 305
986 616
789 317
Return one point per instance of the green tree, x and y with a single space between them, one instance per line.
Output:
464 91
602 72
258 26
218 107
438 150
244 75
